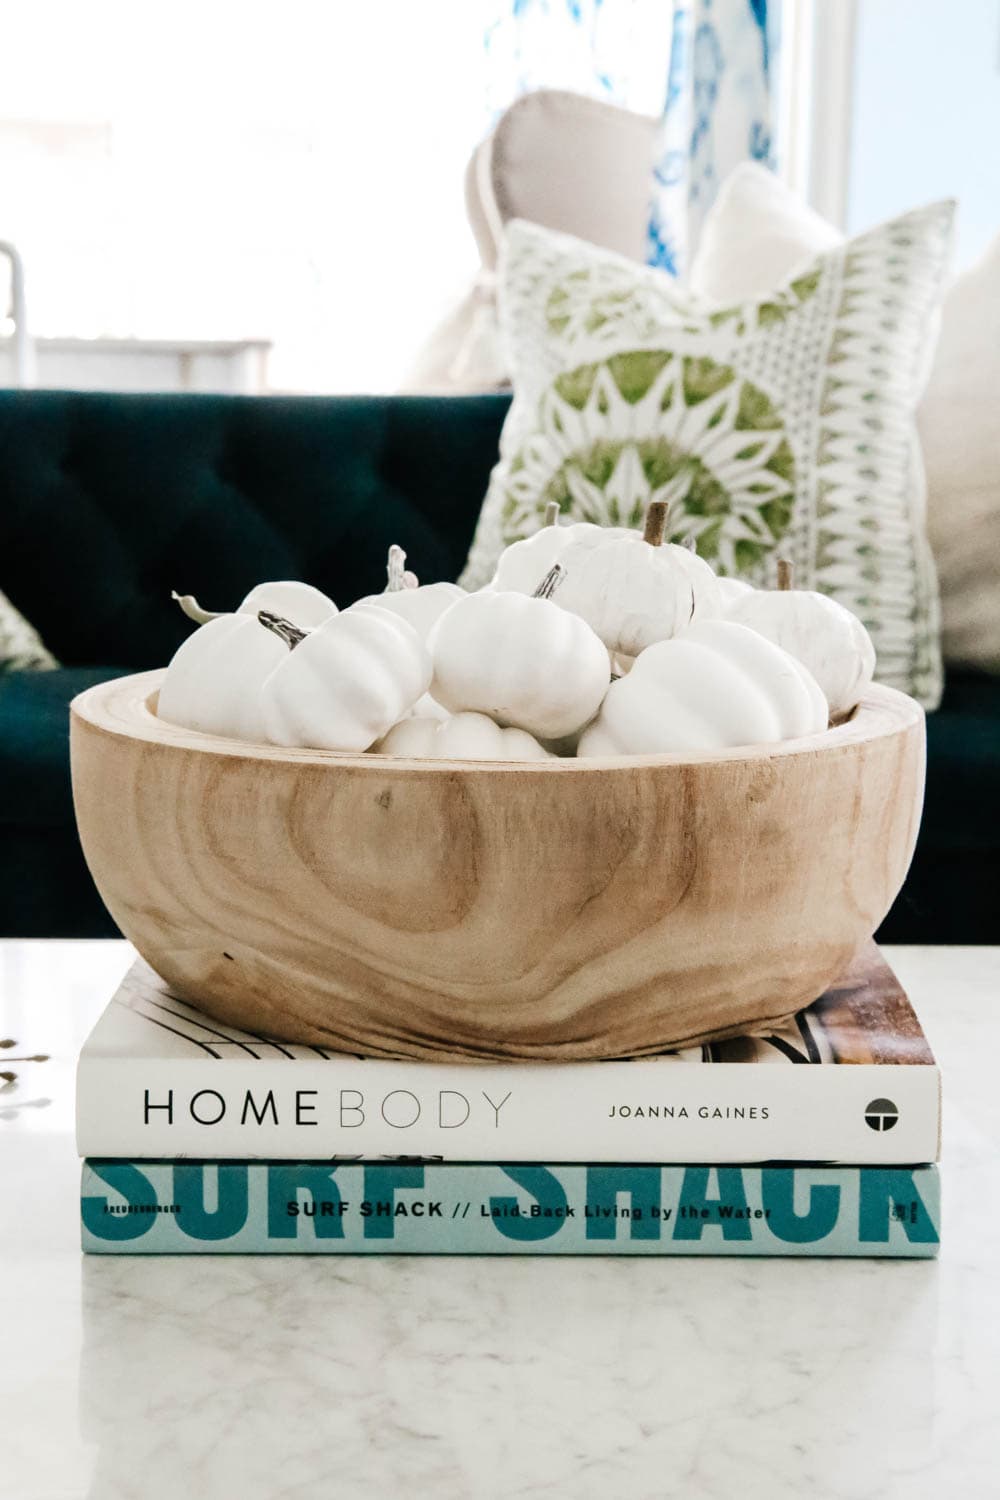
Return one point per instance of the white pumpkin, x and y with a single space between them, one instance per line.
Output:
214 680
343 685
717 686
462 736
292 600
634 590
420 605
427 707
523 563
823 635
732 592
289 599
521 660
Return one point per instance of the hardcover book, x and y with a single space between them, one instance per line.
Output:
431 1208
851 1079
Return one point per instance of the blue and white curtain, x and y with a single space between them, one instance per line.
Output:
707 66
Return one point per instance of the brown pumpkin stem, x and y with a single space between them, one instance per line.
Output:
785 574
656 523
282 628
553 578
192 608
552 513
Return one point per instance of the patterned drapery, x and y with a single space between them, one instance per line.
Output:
707 65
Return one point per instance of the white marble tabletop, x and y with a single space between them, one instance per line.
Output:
260 1378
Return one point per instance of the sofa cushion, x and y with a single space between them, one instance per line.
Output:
34 744
962 807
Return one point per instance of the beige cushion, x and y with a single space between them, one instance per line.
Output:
959 422
757 233
561 160
577 165
21 647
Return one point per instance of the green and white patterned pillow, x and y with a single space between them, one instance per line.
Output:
21 647
784 425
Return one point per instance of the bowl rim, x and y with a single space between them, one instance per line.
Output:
125 707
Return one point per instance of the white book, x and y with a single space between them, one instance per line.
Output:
850 1080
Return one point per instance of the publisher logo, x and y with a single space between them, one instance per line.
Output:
881 1114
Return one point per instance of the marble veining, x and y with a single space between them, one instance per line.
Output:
270 1379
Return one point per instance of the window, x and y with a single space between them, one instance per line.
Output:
235 170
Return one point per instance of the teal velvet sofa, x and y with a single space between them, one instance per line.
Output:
107 502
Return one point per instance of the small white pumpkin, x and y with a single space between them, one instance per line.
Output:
292 600
462 736
344 684
820 633
214 680
288 598
717 686
732 592
523 563
427 707
633 589
419 604
521 660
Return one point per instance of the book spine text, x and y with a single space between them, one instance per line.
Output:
426 1208
657 1111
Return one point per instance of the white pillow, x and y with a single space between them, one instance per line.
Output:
755 235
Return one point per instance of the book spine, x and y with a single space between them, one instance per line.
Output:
408 1208
657 1110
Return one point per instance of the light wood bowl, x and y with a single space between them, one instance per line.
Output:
552 910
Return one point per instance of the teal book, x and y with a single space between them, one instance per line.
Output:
405 1207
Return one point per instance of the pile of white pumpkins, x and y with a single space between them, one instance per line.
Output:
588 641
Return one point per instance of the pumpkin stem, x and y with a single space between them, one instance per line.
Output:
396 570
398 574
553 578
282 628
785 573
192 608
552 513
656 523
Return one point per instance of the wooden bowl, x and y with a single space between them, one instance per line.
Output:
554 910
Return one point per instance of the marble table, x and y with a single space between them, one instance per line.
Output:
271 1379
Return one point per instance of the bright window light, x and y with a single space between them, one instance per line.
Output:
230 170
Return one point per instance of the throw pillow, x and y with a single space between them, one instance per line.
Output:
778 424
21 647
757 232
959 422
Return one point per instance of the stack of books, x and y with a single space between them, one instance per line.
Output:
821 1139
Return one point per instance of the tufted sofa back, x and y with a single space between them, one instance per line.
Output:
107 502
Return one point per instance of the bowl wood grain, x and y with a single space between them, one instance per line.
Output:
552 910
